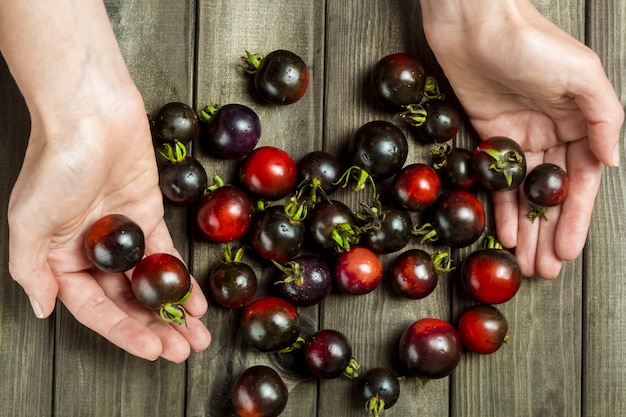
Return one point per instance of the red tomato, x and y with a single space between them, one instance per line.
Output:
482 328
491 276
225 214
358 270
416 187
268 172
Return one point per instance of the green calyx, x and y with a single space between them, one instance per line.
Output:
426 232
375 406
293 270
174 154
345 235
313 185
372 216
208 112
175 312
491 242
228 254
253 62
415 115
352 370
503 163
442 262
217 183
535 212
296 210
362 178
431 89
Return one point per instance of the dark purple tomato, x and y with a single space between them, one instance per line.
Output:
491 276
275 236
270 324
233 130
499 163
483 329
398 80
318 173
458 217
304 281
378 147
392 234
161 282
413 274
455 167
328 354
332 226
430 348
436 121
268 173
546 185
416 187
183 182
175 122
357 271
233 284
114 243
225 214
259 391
280 77
380 389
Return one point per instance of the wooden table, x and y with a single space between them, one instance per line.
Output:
567 352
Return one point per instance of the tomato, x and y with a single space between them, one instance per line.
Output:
391 233
276 236
225 214
499 163
436 120
161 282
397 80
268 173
546 185
232 283
332 226
175 122
304 281
458 218
357 271
318 173
414 273
483 328
114 243
380 389
183 182
416 187
455 167
328 355
491 276
232 130
430 348
259 391
270 324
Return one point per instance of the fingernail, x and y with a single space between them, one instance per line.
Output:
616 156
37 309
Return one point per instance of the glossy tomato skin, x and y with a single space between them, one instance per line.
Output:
455 168
483 329
378 147
397 80
546 185
458 217
499 163
357 271
282 78
233 284
309 282
233 131
319 170
430 348
259 391
379 386
394 232
491 276
173 122
225 214
324 219
413 274
114 243
270 324
160 279
275 236
327 353
268 173
416 187
442 122
183 182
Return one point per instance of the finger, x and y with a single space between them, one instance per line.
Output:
506 217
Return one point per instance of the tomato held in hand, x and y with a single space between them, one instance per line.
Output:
268 173
483 329
546 185
114 243
225 214
161 282
259 392
499 163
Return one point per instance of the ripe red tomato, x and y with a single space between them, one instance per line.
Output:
259 392
358 270
416 187
268 173
483 328
225 214
491 276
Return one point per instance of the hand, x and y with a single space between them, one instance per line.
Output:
518 75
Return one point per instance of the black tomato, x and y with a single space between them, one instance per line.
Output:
458 218
414 273
482 328
357 271
430 348
275 235
183 182
416 187
225 214
392 232
268 173
546 185
304 281
259 391
114 243
328 355
378 147
175 122
436 121
397 80
318 173
232 130
491 276
455 167
161 282
499 163
332 226
380 389
232 283
280 77
270 324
